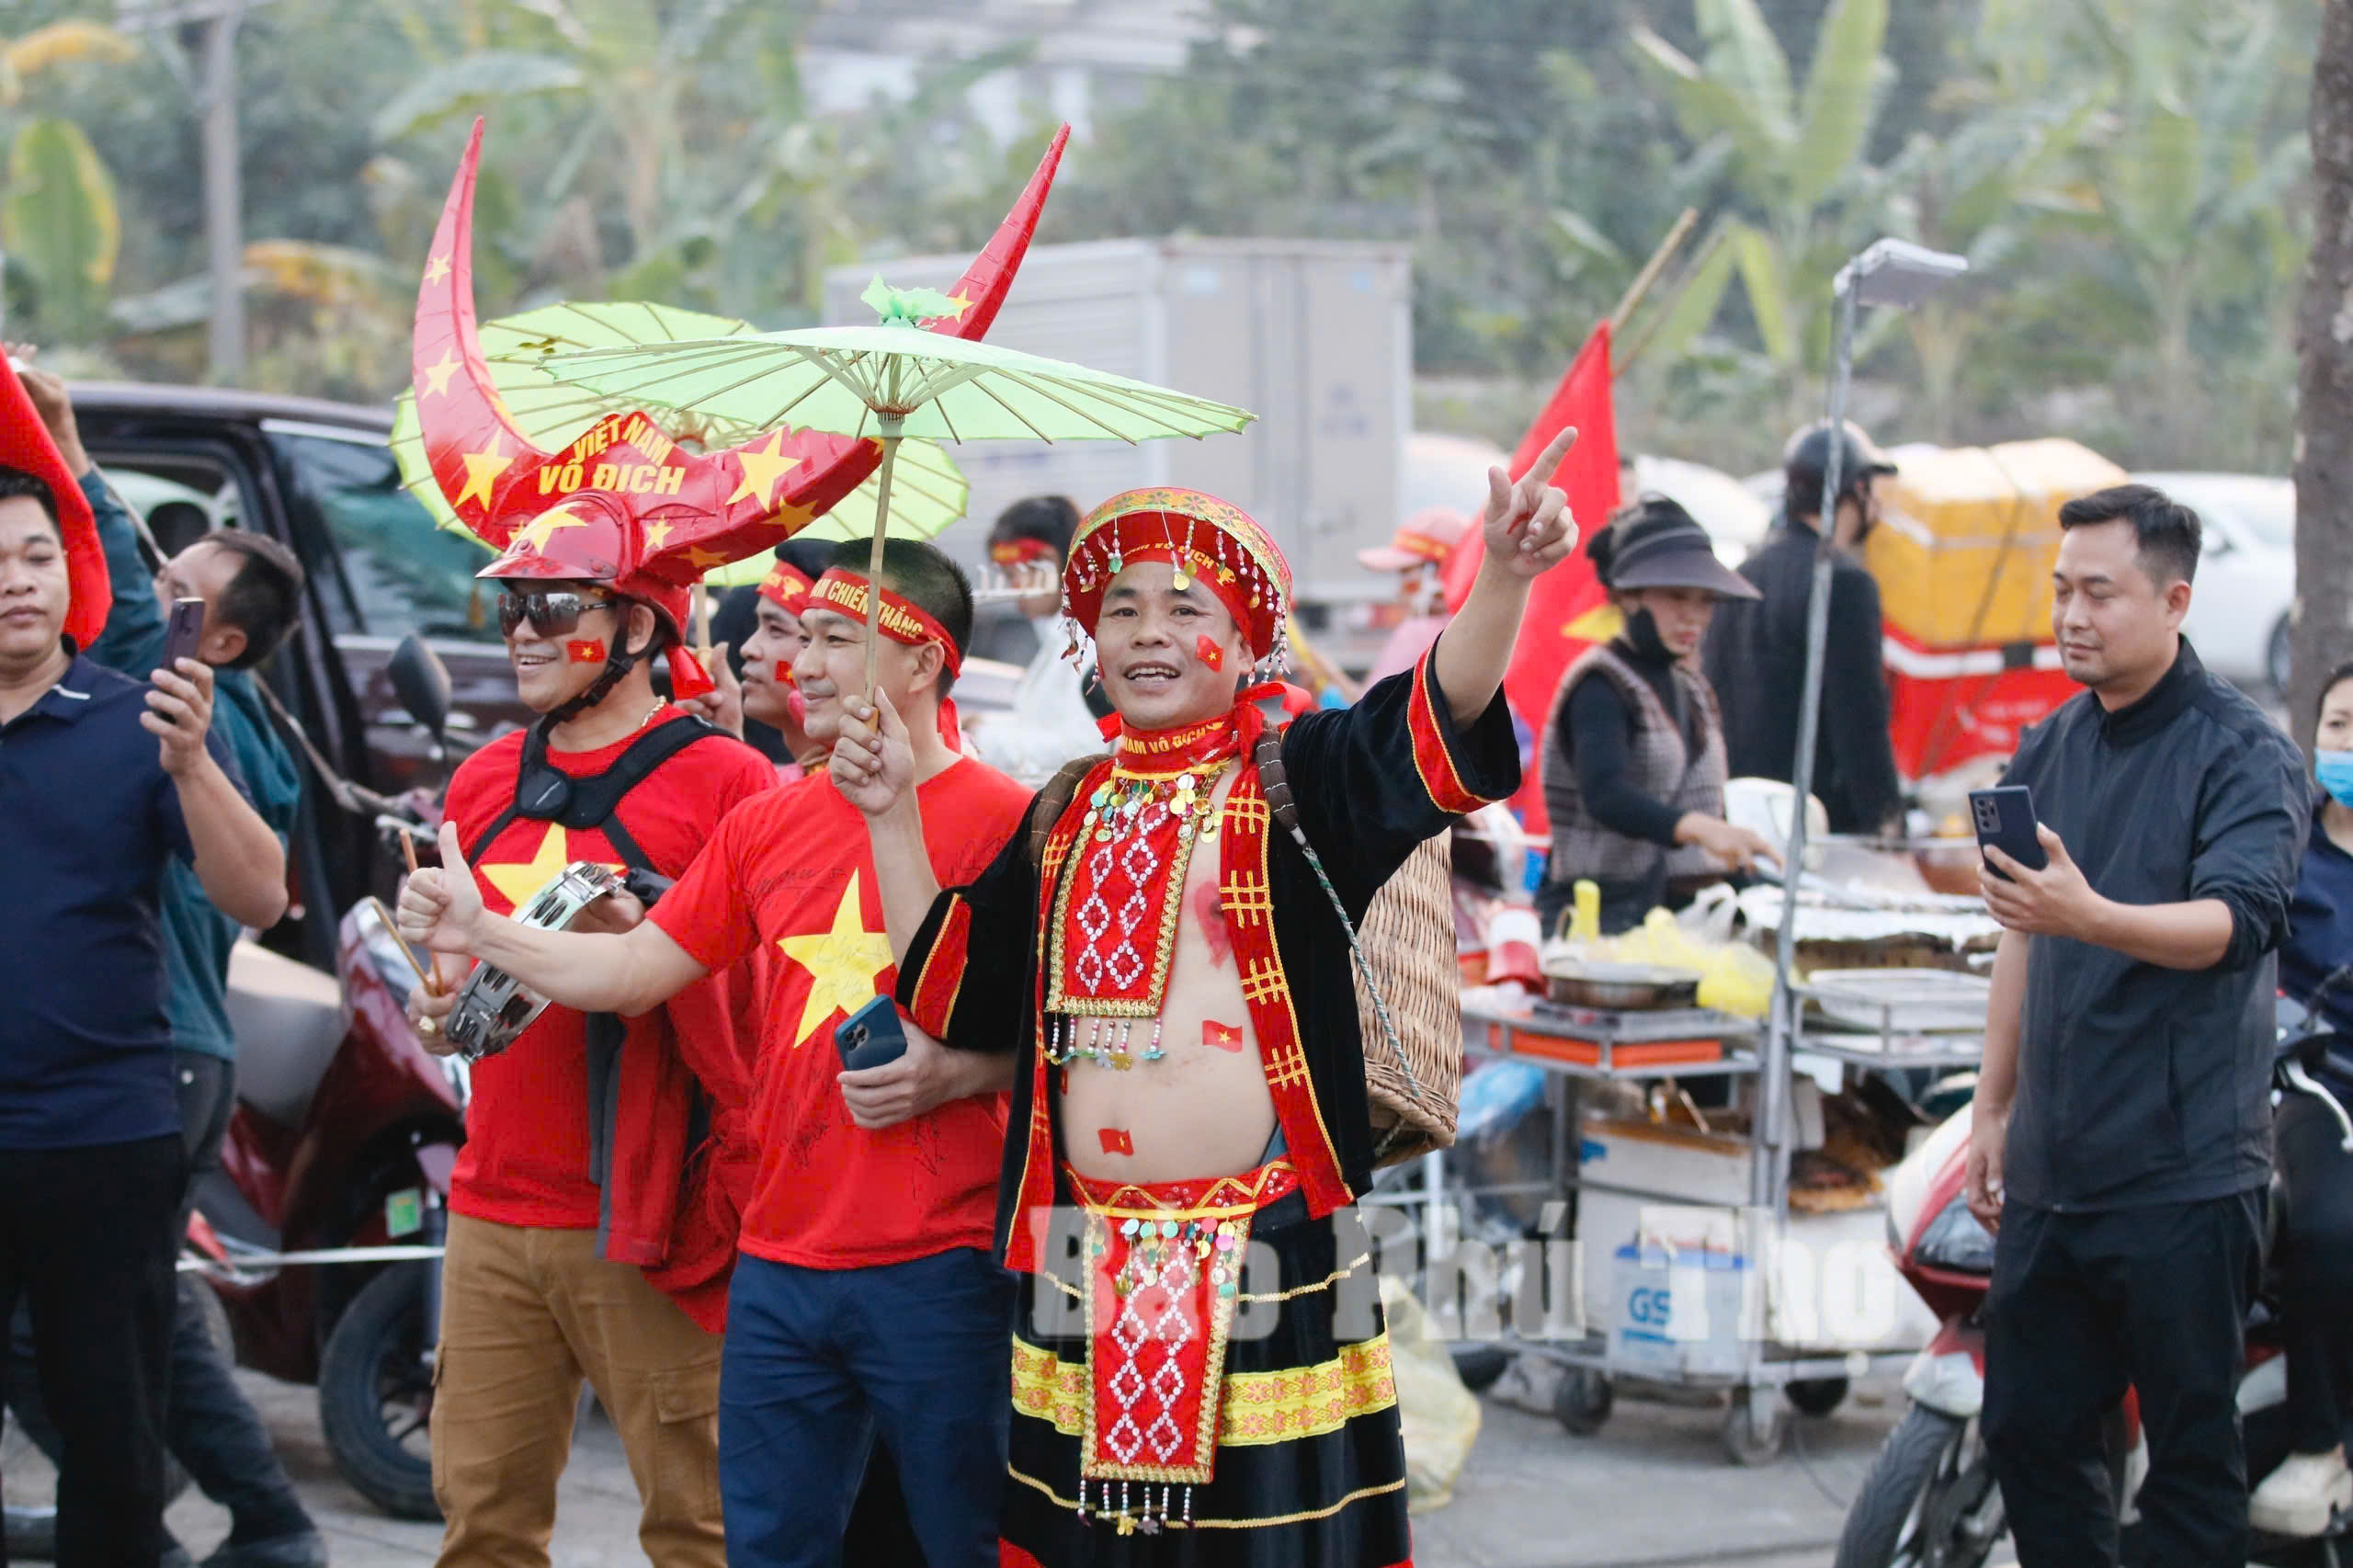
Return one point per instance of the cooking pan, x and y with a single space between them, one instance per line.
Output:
1622 987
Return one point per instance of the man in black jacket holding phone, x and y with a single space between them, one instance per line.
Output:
2122 1136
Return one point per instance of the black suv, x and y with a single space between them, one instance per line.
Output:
321 477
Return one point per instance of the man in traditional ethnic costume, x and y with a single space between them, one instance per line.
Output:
1169 968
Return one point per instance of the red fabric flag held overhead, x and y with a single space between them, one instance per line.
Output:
1550 637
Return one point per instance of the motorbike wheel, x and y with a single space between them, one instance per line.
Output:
376 1394
1930 1499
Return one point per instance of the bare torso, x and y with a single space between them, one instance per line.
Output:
1203 1109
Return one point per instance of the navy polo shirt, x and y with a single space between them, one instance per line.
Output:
88 821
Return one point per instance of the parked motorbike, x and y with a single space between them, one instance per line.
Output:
1930 1499
345 1136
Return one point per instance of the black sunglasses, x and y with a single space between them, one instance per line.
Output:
551 615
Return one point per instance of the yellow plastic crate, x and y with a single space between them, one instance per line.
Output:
1968 535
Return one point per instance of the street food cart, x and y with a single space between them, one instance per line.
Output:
1692 1249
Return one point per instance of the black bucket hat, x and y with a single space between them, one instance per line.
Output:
1656 544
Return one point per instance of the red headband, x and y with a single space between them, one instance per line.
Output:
1019 552
902 621
787 587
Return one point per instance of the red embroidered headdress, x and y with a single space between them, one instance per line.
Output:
624 503
1204 537
25 444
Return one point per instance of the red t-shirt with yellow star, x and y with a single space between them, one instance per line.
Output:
793 869
526 1156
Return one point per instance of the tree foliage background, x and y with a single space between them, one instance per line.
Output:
2131 177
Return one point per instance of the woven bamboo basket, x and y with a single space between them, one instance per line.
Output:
1409 925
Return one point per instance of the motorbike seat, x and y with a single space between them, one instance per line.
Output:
287 1018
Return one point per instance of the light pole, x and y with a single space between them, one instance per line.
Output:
1890 272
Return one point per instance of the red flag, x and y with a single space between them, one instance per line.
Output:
26 445
1569 591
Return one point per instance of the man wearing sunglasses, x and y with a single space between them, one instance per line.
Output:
577 1245
865 1303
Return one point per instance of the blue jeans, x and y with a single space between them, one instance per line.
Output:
819 1361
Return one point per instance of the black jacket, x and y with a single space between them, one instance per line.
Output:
2139 1084
1756 659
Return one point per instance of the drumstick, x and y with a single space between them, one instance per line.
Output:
432 977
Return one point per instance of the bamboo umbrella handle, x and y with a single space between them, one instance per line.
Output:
891 429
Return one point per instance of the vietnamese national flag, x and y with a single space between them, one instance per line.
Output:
1553 636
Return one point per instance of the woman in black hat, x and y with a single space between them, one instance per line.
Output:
1634 758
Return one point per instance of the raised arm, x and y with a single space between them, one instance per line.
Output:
1527 531
237 856
441 909
874 767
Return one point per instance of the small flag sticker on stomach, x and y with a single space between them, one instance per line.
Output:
1115 1141
1225 1037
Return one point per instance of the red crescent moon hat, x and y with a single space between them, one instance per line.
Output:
624 503
26 444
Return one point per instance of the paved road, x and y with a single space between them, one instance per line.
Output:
1653 1489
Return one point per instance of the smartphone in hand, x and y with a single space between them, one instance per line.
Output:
2004 818
184 630
872 1037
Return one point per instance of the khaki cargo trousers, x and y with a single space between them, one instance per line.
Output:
526 1314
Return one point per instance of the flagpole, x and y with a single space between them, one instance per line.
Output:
1652 268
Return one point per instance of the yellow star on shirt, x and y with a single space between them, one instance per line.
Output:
845 964
436 269
763 470
546 524
517 880
437 377
482 470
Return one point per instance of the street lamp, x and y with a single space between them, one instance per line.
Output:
1890 272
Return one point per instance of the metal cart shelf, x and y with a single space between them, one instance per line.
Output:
1625 1048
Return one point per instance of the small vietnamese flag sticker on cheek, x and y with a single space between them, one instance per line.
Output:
1225 1037
1115 1141
585 651
1206 647
784 671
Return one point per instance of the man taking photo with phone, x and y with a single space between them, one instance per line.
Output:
246 590
104 780
2122 1142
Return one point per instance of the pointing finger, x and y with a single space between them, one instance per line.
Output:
1541 470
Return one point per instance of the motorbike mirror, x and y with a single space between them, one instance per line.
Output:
422 683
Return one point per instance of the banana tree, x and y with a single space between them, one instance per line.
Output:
628 77
1790 155
58 219
2191 162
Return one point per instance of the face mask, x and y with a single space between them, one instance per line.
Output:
2335 770
1641 635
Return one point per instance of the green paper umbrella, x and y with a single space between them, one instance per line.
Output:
929 495
892 381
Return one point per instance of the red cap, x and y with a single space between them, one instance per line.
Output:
1427 537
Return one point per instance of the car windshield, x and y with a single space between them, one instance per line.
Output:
391 571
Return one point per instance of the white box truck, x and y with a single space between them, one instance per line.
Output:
1314 337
